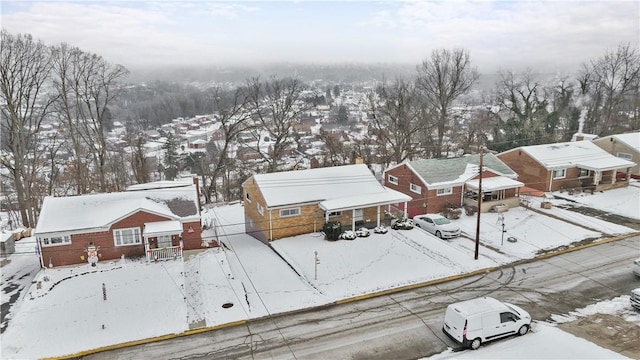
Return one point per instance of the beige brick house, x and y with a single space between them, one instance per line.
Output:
290 203
625 146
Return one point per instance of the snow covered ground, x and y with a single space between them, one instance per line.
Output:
148 300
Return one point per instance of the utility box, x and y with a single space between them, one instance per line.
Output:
545 205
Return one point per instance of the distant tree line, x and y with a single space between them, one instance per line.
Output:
424 114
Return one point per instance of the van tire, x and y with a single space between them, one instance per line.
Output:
523 330
475 344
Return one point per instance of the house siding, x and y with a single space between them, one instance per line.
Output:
310 219
428 201
536 176
613 147
75 253
530 172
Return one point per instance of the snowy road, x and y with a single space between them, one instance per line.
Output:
408 324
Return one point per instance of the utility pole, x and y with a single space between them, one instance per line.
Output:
479 205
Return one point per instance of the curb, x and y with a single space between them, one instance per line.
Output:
343 301
145 341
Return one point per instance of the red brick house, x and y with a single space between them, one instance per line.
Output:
568 165
290 203
436 184
154 222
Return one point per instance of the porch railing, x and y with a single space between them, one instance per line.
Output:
166 253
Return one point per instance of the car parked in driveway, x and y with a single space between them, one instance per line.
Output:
636 267
437 224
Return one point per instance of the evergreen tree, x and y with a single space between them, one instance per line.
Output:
171 157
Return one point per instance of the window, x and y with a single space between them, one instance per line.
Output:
289 212
334 213
415 188
507 317
584 173
56 240
625 156
445 191
559 174
393 180
260 209
248 197
130 236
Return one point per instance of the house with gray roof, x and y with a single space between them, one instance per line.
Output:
437 184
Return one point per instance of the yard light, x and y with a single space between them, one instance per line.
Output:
317 261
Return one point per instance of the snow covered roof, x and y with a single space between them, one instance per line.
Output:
450 171
494 183
320 184
163 184
388 196
583 154
97 212
160 228
632 140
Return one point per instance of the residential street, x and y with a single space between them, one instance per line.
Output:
408 324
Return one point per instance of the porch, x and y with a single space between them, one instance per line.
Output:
497 193
162 240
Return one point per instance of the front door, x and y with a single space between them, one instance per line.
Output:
357 215
164 241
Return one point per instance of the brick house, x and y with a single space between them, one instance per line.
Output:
625 146
436 184
568 165
290 203
156 222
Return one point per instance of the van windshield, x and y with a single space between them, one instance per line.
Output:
512 309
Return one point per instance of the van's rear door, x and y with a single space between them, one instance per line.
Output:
454 323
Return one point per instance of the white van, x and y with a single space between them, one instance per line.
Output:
475 321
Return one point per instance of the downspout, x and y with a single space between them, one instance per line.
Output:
550 179
40 252
378 216
353 219
270 227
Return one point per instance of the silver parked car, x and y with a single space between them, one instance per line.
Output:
437 224
636 267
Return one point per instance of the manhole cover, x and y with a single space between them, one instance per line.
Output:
227 305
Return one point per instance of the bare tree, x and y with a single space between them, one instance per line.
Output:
610 84
397 118
24 69
234 118
68 69
275 104
522 102
443 78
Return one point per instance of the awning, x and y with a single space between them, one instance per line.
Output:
494 183
386 197
604 164
161 228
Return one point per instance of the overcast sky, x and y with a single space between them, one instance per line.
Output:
544 35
